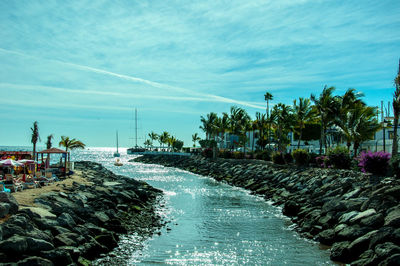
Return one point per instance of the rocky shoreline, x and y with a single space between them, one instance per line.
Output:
80 224
358 215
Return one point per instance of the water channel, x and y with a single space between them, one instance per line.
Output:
211 223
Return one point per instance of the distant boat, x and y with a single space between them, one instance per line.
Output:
136 149
116 154
118 163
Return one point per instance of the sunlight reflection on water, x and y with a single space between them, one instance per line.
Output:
211 223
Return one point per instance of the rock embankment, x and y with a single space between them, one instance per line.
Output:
358 216
79 224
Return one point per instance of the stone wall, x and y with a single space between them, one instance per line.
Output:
76 226
358 215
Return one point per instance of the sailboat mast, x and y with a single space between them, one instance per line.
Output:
117 140
136 127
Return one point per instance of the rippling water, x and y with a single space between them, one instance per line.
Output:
211 223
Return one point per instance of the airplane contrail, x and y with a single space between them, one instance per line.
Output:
136 79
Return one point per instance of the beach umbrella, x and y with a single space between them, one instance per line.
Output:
10 162
27 161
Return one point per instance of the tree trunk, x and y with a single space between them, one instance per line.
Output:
356 145
252 145
300 135
395 143
321 139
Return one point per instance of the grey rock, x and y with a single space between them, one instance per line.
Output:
361 244
35 261
362 215
352 232
8 198
391 261
346 217
4 209
373 221
339 252
66 220
14 245
386 250
12 229
57 256
36 245
393 218
327 236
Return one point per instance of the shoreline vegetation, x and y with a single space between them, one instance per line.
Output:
77 220
356 214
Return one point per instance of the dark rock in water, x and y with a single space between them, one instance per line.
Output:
327 237
291 208
57 256
360 245
107 240
15 245
340 252
35 261
9 199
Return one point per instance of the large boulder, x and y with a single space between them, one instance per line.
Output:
66 220
8 198
16 245
57 256
34 261
36 245
393 218
4 209
340 252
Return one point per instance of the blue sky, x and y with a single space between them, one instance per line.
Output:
81 67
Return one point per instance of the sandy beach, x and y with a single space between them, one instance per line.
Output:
26 197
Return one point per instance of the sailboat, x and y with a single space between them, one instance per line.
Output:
116 154
136 149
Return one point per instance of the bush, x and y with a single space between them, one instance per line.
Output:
395 165
208 153
264 155
339 158
288 158
238 155
301 156
322 161
313 158
227 154
278 158
376 163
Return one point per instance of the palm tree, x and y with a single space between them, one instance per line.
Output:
48 143
171 142
324 105
195 138
153 136
239 120
359 124
148 143
261 126
164 138
283 116
396 111
35 137
222 126
209 123
304 114
70 144
268 97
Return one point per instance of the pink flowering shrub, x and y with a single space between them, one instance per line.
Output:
376 163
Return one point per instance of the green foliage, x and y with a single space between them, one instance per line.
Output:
263 155
301 157
227 154
339 158
278 158
288 157
208 153
205 143
238 155
177 145
310 132
395 165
